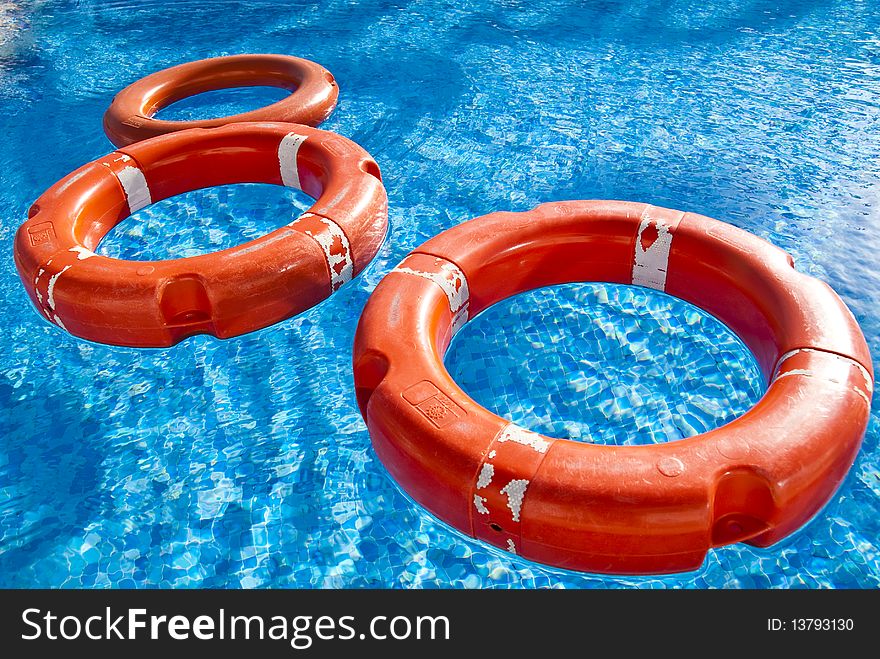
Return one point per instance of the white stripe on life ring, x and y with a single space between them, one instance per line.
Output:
287 150
137 192
651 263
454 285
339 261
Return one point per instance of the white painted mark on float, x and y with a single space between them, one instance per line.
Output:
460 318
869 382
50 290
510 546
480 504
287 151
486 474
82 253
451 280
863 395
337 251
40 273
514 433
791 353
795 371
651 258
515 491
492 454
137 193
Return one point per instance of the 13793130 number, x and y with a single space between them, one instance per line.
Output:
810 624
821 624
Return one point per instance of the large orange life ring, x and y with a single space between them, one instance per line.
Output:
614 509
130 116
226 293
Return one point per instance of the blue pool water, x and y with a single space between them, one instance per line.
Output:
616 364
245 463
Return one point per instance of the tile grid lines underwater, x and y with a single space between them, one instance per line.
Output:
245 462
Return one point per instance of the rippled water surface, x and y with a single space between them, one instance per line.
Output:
245 462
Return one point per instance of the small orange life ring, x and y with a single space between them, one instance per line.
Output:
226 293
130 119
614 509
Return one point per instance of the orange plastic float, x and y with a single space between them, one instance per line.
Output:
130 116
614 509
226 293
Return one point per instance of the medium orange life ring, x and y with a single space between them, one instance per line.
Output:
226 293
130 116
614 509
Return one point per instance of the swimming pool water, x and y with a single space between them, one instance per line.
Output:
245 463
605 364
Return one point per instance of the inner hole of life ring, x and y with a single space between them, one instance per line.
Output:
203 221
607 364
222 103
